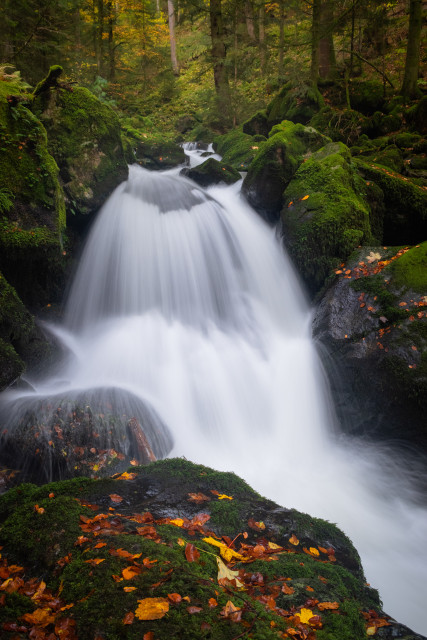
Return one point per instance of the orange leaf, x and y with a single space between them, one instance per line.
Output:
148 636
288 590
327 605
129 589
95 561
38 509
174 597
115 498
129 618
305 198
130 572
212 602
152 608
100 545
293 539
40 617
198 498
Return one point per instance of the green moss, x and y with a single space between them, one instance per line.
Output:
11 365
236 148
324 227
410 270
296 103
84 138
340 125
212 172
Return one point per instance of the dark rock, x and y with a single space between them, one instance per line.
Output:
257 125
373 325
296 103
212 172
157 155
91 433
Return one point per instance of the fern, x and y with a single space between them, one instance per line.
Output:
6 200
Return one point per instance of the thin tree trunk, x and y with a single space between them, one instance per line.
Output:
409 87
353 19
281 37
111 45
99 37
315 39
261 40
171 17
222 87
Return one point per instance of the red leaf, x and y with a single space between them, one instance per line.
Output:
191 553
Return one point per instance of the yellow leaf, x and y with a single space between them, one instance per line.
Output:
178 522
222 496
314 551
370 631
152 608
181 542
305 197
226 574
293 539
273 545
129 589
305 615
225 551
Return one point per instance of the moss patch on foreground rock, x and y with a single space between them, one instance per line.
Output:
156 537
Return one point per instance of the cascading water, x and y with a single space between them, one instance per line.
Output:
185 300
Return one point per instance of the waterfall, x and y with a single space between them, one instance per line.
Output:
185 299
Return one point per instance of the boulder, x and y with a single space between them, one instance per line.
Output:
373 323
92 433
211 172
237 148
298 103
324 218
276 163
84 138
158 154
175 549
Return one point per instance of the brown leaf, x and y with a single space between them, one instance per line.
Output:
129 618
174 597
191 553
198 498
327 605
192 609
114 497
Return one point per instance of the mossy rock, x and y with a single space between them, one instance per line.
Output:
128 149
345 125
236 148
84 138
367 97
157 155
296 103
380 124
405 217
106 546
22 343
390 157
257 125
324 215
275 164
417 116
212 172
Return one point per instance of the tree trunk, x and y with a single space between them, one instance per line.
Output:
222 87
111 46
171 17
99 37
409 87
327 61
249 17
261 26
315 40
281 37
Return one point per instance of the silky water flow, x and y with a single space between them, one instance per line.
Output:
185 299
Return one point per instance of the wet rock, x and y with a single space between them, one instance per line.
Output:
211 172
91 433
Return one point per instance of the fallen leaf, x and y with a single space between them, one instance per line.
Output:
191 552
152 608
175 597
198 498
224 550
95 561
129 618
192 609
130 572
129 589
114 497
305 197
226 575
327 605
305 615
288 590
293 539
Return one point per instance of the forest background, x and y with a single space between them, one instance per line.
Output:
214 61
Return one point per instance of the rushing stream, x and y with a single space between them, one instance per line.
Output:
186 299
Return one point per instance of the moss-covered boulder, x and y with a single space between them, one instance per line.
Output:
175 549
298 103
212 172
405 218
32 207
324 216
373 321
257 125
276 163
21 342
158 154
367 97
84 138
237 148
341 125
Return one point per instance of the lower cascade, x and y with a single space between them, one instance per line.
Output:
185 308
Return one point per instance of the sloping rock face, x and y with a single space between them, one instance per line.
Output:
175 549
84 138
373 323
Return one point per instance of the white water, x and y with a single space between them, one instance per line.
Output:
188 301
